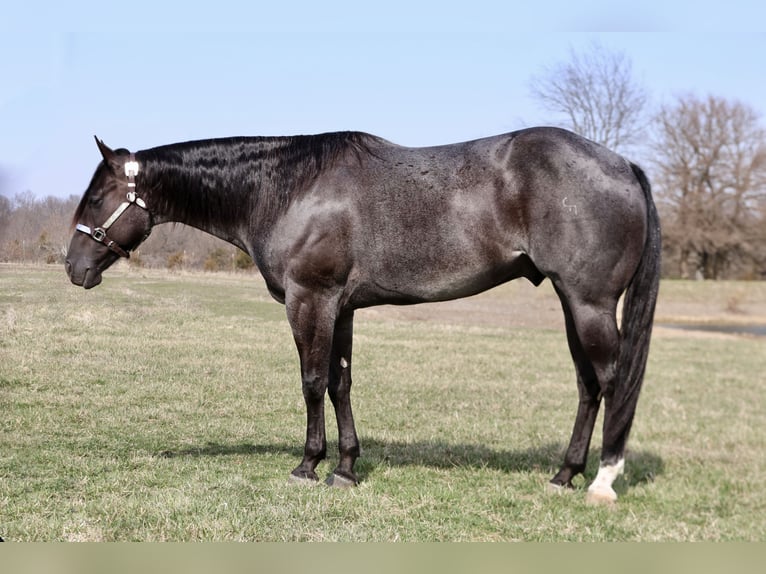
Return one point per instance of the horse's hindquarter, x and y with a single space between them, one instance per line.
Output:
585 210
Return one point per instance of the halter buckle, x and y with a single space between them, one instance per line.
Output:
98 234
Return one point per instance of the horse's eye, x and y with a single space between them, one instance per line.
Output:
96 201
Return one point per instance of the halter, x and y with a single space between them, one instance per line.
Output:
99 233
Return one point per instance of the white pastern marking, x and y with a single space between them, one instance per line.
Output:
607 474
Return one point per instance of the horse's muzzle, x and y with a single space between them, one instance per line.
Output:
83 276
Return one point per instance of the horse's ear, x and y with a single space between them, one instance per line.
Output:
110 158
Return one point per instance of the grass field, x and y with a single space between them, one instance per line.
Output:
168 407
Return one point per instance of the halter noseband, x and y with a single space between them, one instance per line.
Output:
99 233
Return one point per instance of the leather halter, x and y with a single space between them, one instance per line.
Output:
99 233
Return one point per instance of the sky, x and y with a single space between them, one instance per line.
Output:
140 74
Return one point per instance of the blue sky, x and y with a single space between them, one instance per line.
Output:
140 74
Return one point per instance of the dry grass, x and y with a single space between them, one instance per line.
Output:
168 407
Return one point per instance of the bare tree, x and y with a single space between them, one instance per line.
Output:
39 229
6 209
710 175
34 229
597 95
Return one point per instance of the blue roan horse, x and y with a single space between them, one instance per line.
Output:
340 221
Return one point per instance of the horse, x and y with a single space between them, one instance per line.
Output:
341 221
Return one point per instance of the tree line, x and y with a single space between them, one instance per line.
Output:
38 230
705 156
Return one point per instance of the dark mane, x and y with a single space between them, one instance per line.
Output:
200 181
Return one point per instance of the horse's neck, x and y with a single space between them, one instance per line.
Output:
237 188
176 195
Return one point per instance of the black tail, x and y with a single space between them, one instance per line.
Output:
638 317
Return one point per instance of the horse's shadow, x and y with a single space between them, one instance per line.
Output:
641 466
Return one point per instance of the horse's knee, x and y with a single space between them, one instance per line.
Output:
314 388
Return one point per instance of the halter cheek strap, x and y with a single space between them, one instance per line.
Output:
99 233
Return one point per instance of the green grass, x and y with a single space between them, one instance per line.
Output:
168 407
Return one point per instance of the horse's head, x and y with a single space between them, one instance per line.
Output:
111 220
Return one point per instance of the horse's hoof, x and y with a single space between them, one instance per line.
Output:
340 481
601 497
303 479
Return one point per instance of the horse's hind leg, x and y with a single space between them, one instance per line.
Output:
594 342
587 409
340 395
619 409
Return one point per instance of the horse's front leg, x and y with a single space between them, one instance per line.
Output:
312 319
340 395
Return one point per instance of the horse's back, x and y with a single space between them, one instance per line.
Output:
427 223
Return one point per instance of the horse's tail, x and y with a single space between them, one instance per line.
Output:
638 316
